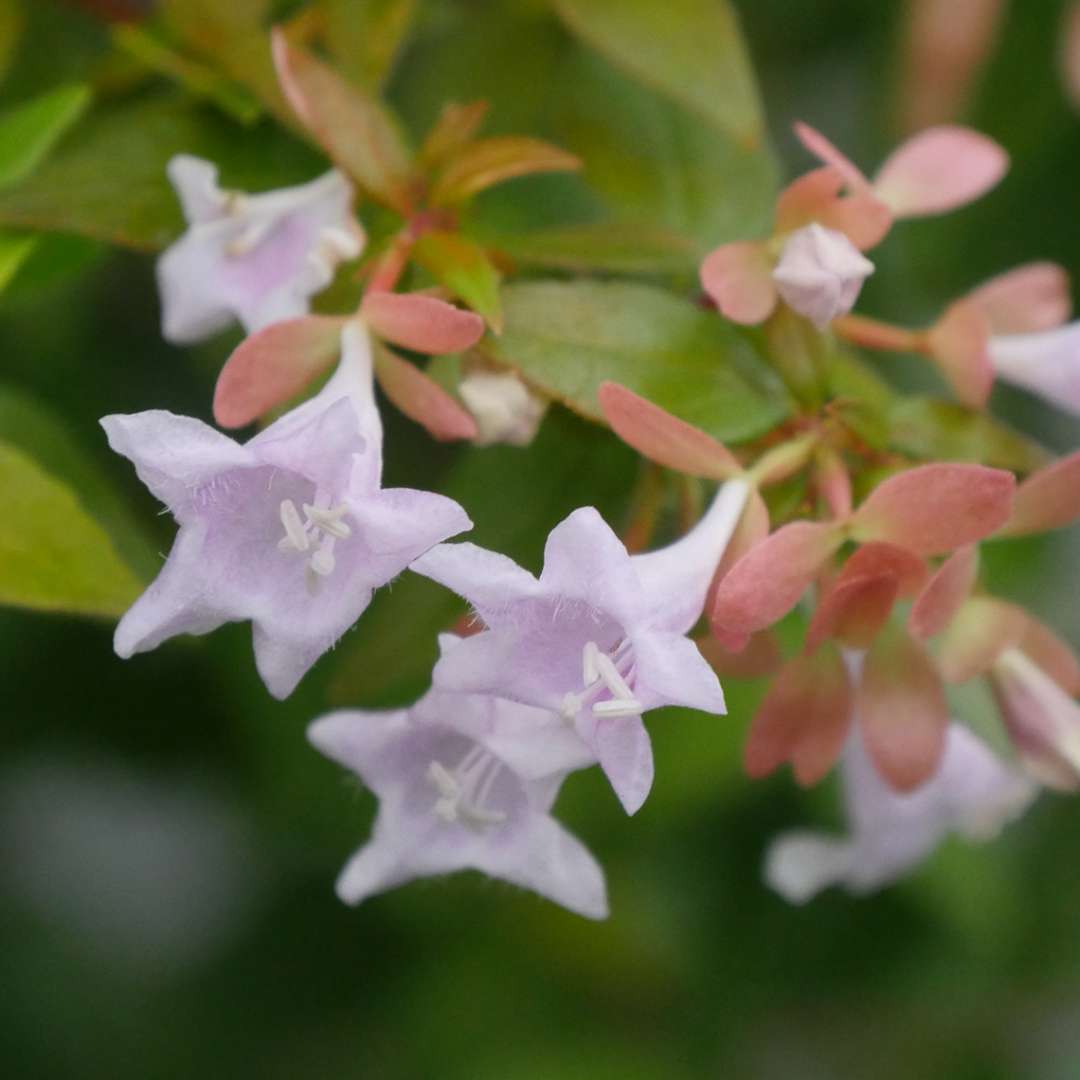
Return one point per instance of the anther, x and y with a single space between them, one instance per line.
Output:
589 672
612 679
617 707
296 537
329 520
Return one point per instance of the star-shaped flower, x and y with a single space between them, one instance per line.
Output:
256 258
291 530
598 637
464 781
973 794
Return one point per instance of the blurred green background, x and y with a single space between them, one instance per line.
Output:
168 842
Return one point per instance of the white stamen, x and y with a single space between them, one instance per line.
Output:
589 672
323 562
340 242
612 679
617 707
249 239
443 782
464 791
296 537
329 519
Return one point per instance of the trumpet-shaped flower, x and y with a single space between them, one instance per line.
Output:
256 258
291 530
464 781
1046 363
973 794
598 637
820 273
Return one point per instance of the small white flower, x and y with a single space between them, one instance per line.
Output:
820 273
256 258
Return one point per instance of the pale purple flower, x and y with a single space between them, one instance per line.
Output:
820 274
973 794
598 637
1047 363
291 530
464 781
1043 721
256 258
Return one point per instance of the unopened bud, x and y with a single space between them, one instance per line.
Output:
506 410
820 273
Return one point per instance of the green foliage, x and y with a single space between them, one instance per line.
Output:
29 131
53 556
108 180
365 36
943 430
689 50
568 337
463 267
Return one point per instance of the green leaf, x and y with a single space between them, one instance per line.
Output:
365 36
53 556
462 266
606 246
689 50
568 337
15 247
29 426
862 398
29 131
12 22
108 180
201 80
942 430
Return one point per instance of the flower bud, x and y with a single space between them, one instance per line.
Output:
506 410
820 273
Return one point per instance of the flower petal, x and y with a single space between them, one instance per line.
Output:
799 864
738 279
489 581
1053 655
174 456
1029 298
670 670
622 747
902 711
934 508
939 170
1046 364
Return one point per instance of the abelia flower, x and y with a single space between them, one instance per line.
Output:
291 530
256 258
505 409
820 273
599 637
1047 364
973 794
1042 719
464 781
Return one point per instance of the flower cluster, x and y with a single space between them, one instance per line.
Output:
294 531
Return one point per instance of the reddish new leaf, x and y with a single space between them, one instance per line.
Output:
1053 655
656 434
803 719
852 611
421 398
934 508
761 657
959 343
355 130
456 126
273 365
1029 298
421 323
946 591
902 711
1048 499
767 582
